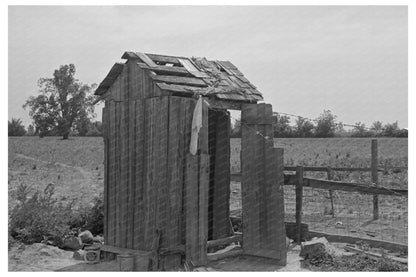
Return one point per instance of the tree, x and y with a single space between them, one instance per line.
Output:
30 130
326 125
377 128
282 127
62 101
16 128
304 128
360 130
236 129
391 129
340 130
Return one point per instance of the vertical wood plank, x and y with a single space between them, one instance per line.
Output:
299 199
374 175
278 193
203 207
250 174
118 204
124 159
188 105
175 179
106 169
132 173
111 175
191 202
161 140
139 186
261 169
151 174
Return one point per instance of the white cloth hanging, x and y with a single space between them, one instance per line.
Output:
196 126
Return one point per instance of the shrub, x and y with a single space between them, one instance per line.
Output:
16 128
91 218
39 216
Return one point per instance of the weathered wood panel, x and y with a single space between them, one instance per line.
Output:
203 206
191 202
196 201
175 178
262 178
188 105
161 141
151 174
111 174
118 203
135 81
139 186
105 125
124 160
179 80
249 184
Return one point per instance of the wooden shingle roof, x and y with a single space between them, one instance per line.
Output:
190 76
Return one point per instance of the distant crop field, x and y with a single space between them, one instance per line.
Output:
340 152
75 166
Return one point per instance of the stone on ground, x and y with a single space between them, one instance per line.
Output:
318 247
72 243
86 237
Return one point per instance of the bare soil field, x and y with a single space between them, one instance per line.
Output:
74 166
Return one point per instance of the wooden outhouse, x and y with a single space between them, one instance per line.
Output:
161 198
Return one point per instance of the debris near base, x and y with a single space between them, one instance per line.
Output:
322 256
318 247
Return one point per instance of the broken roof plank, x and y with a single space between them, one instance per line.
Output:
146 59
181 88
224 68
179 80
164 59
231 96
192 69
239 83
227 64
172 70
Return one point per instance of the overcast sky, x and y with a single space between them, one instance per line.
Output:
350 60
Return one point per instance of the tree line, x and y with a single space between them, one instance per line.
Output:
326 126
65 106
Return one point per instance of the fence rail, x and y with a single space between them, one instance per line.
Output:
324 169
299 181
292 180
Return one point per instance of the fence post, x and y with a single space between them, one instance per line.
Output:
299 196
374 175
329 176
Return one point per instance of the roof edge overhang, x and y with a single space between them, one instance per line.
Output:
111 77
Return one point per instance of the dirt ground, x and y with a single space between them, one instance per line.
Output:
40 257
353 213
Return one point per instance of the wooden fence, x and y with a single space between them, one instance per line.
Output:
299 181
